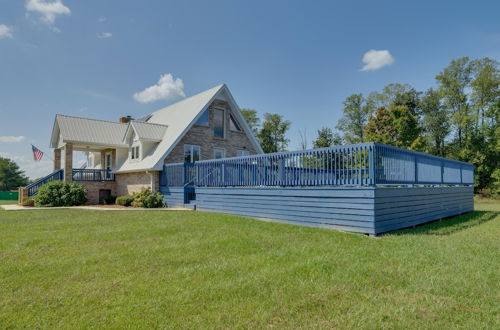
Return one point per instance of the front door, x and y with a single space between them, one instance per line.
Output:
108 161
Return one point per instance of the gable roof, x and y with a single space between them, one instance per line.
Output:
179 118
85 130
147 131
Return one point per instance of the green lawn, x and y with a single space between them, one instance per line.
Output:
79 269
3 202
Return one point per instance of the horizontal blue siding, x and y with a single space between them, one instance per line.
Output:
371 210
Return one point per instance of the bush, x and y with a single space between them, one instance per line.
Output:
109 200
58 193
146 198
124 200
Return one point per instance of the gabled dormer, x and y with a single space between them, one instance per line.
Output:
143 138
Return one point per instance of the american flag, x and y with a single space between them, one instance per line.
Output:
37 153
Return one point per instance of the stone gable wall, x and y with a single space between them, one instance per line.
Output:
204 137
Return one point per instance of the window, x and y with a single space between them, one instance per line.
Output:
134 152
203 120
191 153
219 153
219 123
240 153
233 124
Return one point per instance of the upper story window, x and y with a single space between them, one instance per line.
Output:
203 120
191 153
240 153
219 153
219 123
233 124
134 153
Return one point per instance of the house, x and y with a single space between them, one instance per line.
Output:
128 155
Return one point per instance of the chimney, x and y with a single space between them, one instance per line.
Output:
125 120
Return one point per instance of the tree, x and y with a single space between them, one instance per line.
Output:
272 135
11 176
485 86
435 121
252 120
352 124
396 126
395 94
326 138
453 82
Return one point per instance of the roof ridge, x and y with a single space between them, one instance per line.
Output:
218 87
101 120
147 123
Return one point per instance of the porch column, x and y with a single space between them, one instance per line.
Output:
103 160
57 159
113 159
68 162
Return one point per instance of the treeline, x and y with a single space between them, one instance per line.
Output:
457 119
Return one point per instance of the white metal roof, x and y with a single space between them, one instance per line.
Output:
167 126
148 131
85 130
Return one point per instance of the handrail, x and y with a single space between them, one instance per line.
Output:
54 176
93 175
363 164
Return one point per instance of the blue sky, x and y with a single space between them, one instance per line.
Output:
296 58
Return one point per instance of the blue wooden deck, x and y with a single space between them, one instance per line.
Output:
368 188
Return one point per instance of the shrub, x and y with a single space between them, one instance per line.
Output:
58 193
146 198
109 200
124 200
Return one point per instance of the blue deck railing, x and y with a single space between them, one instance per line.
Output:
353 165
84 174
33 188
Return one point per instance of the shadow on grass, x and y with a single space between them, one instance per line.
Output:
450 225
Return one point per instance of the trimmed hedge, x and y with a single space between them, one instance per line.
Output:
124 200
59 193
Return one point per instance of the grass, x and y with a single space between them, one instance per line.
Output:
5 202
80 269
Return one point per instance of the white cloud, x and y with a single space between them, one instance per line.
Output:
101 19
12 139
32 168
104 35
5 31
48 9
376 59
166 89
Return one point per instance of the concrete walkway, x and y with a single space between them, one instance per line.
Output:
16 207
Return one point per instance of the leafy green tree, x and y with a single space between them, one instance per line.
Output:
252 120
453 83
396 126
485 86
11 176
355 117
272 135
326 138
395 94
435 121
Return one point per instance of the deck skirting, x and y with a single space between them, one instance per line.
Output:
370 210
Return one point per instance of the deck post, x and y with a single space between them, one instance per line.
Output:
68 162
57 159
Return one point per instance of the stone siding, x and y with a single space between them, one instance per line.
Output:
94 187
203 136
128 183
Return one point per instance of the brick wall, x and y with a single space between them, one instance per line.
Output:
94 187
128 183
204 137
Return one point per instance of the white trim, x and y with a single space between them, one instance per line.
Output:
220 149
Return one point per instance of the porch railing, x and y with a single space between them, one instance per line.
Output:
84 174
365 164
33 187
351 165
